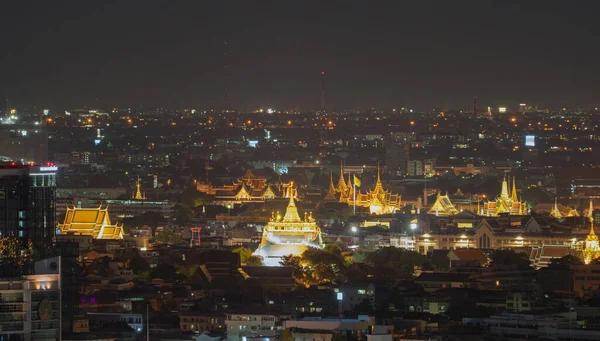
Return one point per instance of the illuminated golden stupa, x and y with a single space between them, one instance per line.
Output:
591 250
287 235
93 222
138 192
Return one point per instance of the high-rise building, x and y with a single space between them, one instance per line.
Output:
397 156
27 202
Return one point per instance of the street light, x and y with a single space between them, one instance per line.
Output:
354 229
228 209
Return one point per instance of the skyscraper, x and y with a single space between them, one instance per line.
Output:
397 153
27 202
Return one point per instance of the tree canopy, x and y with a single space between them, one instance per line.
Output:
247 258
510 257
167 237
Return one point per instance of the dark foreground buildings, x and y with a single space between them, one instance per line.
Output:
27 202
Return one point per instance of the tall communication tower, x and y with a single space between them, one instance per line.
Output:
475 106
322 90
226 75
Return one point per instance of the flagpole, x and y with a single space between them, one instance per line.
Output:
354 184
60 293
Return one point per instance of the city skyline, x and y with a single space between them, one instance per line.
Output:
395 55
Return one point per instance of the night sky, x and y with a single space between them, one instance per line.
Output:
420 54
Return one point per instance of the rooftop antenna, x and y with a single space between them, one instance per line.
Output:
323 90
226 74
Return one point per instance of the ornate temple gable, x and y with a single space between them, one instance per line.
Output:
268 193
532 226
243 194
443 206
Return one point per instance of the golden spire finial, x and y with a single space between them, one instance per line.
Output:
138 192
378 174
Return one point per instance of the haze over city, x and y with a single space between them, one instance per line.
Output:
426 54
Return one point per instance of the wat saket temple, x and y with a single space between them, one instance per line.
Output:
93 222
287 235
379 201
507 203
250 188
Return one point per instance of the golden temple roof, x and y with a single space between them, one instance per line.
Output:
90 221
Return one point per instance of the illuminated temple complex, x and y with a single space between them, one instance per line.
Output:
93 222
287 235
379 201
250 188
507 203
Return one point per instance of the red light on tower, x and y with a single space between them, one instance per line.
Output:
322 72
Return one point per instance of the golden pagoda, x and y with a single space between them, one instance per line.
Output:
138 193
507 203
591 250
93 222
288 235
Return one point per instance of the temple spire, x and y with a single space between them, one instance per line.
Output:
504 193
291 213
555 211
138 192
590 212
342 183
330 196
513 192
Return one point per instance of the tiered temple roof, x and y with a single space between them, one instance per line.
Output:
379 201
287 235
507 203
250 188
93 222
443 206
